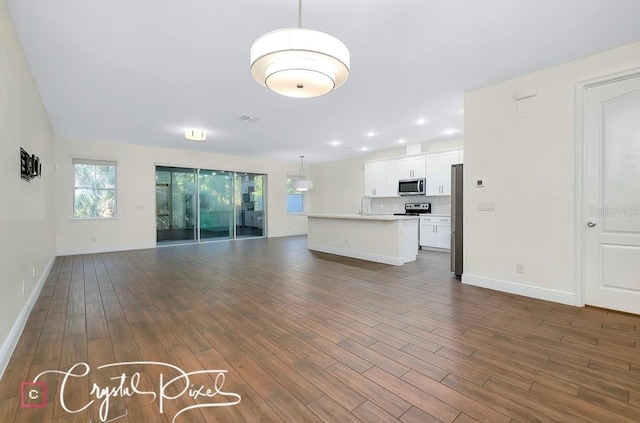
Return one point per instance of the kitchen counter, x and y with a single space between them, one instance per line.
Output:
375 237
361 216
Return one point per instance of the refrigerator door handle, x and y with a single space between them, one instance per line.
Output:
457 219
453 252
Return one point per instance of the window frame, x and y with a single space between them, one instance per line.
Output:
94 162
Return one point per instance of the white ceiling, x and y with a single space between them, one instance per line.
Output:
143 71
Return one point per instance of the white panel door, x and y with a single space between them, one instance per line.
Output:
612 195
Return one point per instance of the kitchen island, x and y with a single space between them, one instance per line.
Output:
380 238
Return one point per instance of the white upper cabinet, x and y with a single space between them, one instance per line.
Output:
434 174
381 177
448 159
375 179
439 171
394 172
412 167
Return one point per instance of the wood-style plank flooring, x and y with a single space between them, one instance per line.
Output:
311 337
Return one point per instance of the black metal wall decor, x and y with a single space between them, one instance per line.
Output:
30 166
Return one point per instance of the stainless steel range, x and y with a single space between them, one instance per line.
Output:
415 209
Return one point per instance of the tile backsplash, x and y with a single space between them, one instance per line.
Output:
439 204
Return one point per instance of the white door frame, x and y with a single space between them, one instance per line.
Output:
580 218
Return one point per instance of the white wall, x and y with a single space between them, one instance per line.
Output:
439 145
338 186
26 217
527 161
135 225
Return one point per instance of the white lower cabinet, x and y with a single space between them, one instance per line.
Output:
435 232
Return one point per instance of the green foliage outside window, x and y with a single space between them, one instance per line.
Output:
94 189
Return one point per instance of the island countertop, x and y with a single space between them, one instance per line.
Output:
382 238
361 217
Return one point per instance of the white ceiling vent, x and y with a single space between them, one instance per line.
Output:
248 119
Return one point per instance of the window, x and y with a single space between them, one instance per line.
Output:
94 189
294 198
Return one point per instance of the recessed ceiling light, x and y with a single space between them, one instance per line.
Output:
364 149
335 142
195 135
450 131
421 121
371 134
401 141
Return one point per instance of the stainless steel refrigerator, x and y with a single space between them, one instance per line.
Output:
456 219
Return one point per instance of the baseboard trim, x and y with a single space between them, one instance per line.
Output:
395 261
555 296
106 249
12 339
436 249
285 234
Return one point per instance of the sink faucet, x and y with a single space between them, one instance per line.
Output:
362 204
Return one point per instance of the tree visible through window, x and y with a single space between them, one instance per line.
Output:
295 202
94 189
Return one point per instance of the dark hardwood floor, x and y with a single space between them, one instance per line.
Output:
310 337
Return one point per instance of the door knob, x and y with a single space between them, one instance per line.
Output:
591 224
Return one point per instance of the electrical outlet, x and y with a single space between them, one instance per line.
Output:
23 287
520 268
93 238
34 271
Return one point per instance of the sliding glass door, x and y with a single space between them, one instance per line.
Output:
198 205
249 205
175 205
216 205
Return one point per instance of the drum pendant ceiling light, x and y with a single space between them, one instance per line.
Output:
298 62
302 184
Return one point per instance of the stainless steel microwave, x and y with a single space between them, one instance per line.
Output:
412 186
